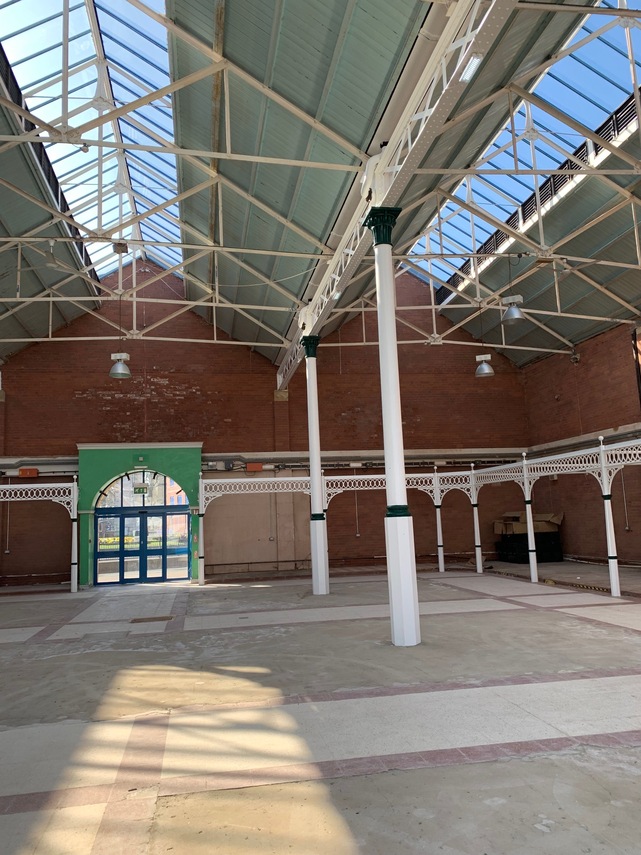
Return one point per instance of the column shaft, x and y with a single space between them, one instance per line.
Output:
390 386
74 536
531 542
440 551
478 549
201 532
318 523
613 561
399 531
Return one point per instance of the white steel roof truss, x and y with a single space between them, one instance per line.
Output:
428 109
231 185
248 267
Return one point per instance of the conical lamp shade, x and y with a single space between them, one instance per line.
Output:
512 315
120 371
484 369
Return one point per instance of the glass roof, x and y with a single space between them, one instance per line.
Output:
121 184
594 79
116 54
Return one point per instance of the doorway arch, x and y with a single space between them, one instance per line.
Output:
141 530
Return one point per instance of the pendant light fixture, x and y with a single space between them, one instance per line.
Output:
484 369
120 369
512 314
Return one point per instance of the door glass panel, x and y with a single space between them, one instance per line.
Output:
154 567
177 566
177 531
154 532
132 533
132 568
108 570
108 534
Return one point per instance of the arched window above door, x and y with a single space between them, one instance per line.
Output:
140 489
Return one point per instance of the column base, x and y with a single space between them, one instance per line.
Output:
401 579
320 558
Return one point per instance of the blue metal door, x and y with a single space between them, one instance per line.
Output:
141 545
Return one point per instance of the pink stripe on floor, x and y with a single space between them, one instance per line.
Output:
127 818
131 801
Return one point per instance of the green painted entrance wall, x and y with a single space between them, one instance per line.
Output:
99 465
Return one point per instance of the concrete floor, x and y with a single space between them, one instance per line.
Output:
257 718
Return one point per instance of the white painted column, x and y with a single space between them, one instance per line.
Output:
399 531
317 522
201 530
440 551
606 486
478 549
531 539
74 535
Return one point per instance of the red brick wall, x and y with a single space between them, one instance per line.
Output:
36 543
58 394
578 497
444 404
597 393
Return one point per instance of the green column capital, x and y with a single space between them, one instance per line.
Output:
310 343
381 221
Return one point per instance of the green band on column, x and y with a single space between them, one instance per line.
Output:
381 221
316 517
398 511
310 343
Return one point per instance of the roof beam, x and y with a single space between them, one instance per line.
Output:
11 140
39 203
227 303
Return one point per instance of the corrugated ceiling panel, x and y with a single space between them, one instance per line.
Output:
335 61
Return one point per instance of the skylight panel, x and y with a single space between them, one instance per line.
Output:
596 79
132 48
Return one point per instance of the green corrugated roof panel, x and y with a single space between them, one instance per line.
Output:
338 62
